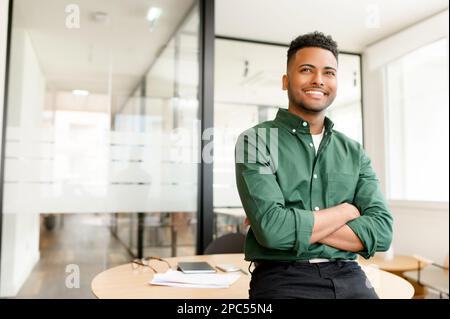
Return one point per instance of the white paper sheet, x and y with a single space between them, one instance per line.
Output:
178 279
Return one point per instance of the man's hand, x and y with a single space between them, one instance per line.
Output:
350 210
344 239
328 220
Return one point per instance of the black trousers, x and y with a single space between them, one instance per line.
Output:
292 280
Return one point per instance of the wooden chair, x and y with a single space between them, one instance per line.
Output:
431 277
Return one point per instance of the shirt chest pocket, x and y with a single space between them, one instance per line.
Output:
340 188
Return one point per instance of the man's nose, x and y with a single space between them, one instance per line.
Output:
317 79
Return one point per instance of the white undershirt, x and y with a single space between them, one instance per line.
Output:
317 138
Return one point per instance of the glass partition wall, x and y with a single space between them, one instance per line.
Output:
101 130
163 112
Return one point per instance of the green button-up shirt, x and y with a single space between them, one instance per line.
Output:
281 181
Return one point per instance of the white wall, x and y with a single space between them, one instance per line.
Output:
419 227
3 43
20 251
3 38
20 233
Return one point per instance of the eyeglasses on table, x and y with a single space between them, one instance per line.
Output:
146 262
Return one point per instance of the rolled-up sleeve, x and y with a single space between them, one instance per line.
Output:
274 225
374 226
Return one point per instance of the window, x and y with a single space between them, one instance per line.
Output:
417 123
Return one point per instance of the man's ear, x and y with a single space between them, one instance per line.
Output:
285 82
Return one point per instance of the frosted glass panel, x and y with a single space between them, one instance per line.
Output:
76 172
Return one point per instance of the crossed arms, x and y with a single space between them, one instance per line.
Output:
330 228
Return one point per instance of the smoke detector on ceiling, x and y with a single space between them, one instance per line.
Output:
100 17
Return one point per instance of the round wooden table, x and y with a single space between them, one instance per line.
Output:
397 265
125 282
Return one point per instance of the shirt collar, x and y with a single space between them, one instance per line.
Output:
295 123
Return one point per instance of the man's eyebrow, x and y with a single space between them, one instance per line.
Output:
310 65
330 68
313 66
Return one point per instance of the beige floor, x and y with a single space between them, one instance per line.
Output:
83 240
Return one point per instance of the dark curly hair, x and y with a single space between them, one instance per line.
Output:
314 39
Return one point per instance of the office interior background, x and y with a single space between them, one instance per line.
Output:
105 104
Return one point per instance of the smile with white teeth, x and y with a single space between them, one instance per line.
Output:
315 93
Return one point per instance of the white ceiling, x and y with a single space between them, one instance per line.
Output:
83 58
350 22
125 46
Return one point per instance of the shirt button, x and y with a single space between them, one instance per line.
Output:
293 130
305 124
316 208
311 144
315 176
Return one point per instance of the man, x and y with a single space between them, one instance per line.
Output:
320 203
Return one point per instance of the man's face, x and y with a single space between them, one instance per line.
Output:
311 79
